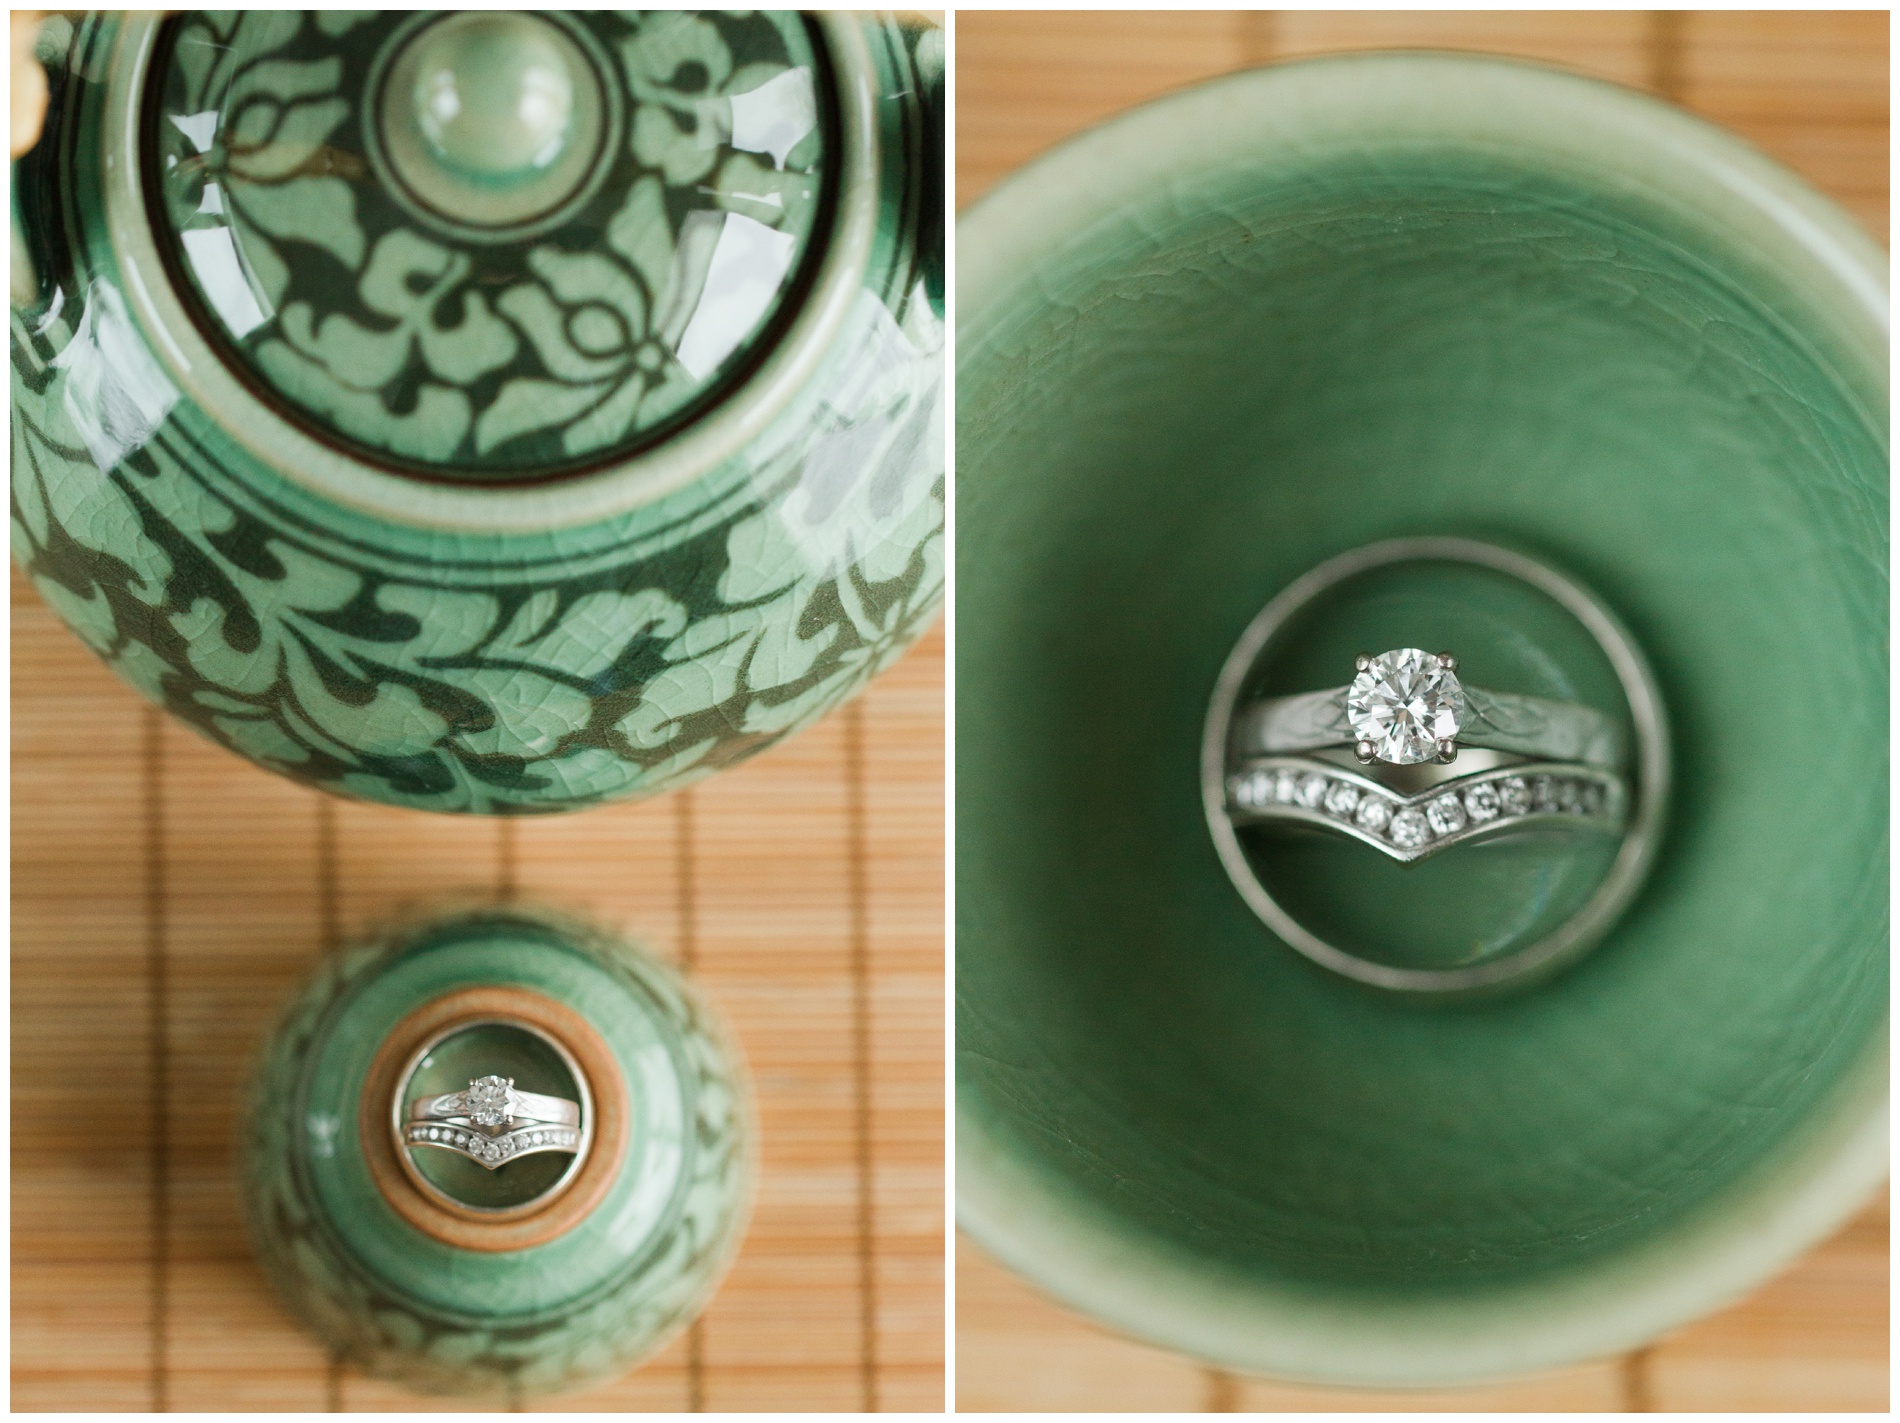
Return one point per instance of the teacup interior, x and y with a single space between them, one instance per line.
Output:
1250 372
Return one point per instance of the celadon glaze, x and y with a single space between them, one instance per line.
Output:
1223 338
587 1305
459 527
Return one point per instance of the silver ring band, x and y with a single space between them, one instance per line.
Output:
1499 721
492 1151
1304 790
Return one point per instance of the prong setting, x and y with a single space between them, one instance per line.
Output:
1365 752
1447 750
1404 704
1448 662
1362 662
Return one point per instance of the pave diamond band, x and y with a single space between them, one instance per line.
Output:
488 1150
1306 790
493 1103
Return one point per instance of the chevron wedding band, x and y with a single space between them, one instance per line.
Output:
491 1151
1305 790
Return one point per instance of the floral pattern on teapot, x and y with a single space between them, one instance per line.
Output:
400 329
466 671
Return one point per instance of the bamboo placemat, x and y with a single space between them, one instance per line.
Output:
1809 88
166 897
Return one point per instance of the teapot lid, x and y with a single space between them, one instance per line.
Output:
489 246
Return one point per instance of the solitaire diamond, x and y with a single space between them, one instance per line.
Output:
1403 704
487 1100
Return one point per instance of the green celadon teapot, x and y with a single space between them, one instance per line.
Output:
484 412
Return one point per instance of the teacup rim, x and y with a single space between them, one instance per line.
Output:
1806 1188
1033 212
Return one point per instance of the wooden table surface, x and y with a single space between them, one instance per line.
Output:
1810 88
167 896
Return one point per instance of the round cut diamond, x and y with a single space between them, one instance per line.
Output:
1312 789
1373 813
1404 704
1446 814
1341 797
1514 795
1253 790
1481 803
487 1100
1409 830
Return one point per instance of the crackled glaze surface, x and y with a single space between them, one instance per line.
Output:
1304 309
586 1305
399 656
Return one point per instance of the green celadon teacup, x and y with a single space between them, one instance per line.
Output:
1211 344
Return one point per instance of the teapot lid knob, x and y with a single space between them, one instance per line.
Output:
490 117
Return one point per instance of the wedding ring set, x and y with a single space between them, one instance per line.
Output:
1407 707
1370 760
493 1122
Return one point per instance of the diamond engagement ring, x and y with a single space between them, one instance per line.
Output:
495 1103
1406 707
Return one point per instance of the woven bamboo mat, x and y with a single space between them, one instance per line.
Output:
166 896
1808 87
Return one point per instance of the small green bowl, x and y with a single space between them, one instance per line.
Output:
503 1284
1205 347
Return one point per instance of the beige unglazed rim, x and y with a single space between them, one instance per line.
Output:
703 446
1043 1226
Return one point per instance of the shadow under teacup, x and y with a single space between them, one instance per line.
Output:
1210 345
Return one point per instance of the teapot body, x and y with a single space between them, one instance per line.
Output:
496 646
